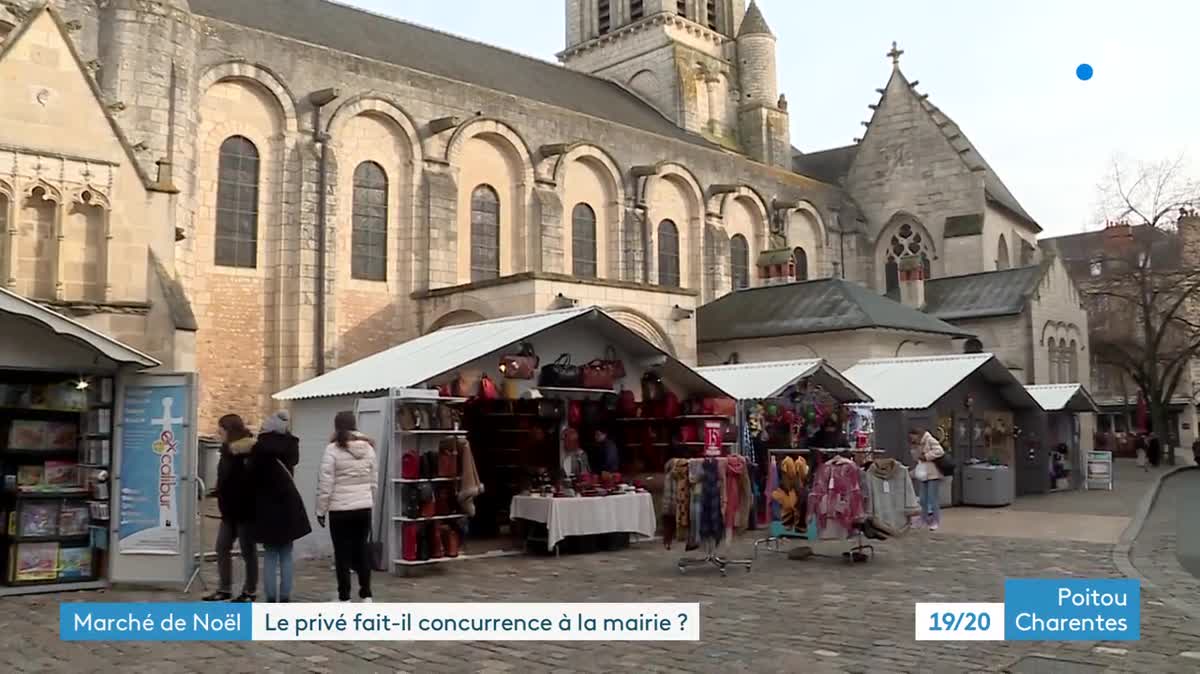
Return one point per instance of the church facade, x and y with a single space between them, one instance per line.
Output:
302 184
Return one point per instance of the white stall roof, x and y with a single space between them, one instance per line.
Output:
756 381
13 304
917 383
1063 397
425 358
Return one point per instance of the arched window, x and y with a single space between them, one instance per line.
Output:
668 254
800 259
237 204
1052 350
485 234
369 215
583 241
710 9
906 241
1064 362
1002 253
739 262
1073 363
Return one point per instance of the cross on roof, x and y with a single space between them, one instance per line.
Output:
895 54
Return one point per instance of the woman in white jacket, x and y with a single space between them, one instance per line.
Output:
346 492
926 450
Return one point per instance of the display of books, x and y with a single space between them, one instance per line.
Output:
38 519
100 392
99 422
61 475
24 434
30 476
34 561
61 435
96 451
73 519
74 563
99 537
62 397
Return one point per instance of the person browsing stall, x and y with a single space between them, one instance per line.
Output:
346 493
235 499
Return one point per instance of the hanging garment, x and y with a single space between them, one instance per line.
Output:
891 495
711 526
695 473
683 498
667 506
836 499
772 510
737 495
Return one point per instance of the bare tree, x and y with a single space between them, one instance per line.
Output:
1144 289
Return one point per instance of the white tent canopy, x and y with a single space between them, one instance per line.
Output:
420 361
112 351
758 381
917 383
1063 398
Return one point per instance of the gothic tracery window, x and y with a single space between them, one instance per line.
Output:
485 234
237 204
369 213
739 262
668 254
905 242
583 241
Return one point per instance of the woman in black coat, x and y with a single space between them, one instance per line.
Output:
279 512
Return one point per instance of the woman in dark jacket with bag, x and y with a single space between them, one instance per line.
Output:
235 498
279 515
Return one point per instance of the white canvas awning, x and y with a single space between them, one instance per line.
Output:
421 360
1063 397
13 305
918 383
758 381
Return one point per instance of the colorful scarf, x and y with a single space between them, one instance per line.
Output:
711 526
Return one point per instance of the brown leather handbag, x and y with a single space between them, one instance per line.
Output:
521 365
598 374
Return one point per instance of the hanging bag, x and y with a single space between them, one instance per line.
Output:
521 365
597 374
945 464
560 374
615 364
487 389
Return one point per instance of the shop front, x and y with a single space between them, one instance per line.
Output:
1062 428
549 428
95 457
983 416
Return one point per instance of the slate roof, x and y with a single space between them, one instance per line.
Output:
754 22
389 40
807 307
826 165
982 295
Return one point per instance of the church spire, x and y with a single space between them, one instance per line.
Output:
754 23
895 55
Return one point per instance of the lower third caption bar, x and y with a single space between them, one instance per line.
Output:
379 622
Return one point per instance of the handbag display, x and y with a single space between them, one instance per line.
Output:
487 389
574 413
448 458
410 466
429 464
410 533
428 502
521 365
626 404
449 539
561 373
653 388
615 364
597 374
670 405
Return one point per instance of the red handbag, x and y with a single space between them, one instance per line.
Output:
408 543
626 404
670 407
574 413
598 374
450 544
521 365
687 433
410 466
487 389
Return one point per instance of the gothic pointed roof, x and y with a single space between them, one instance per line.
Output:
754 23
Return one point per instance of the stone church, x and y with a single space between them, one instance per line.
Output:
265 190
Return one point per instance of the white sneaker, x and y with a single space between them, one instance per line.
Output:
933 526
368 600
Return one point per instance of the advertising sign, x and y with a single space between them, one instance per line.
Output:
151 445
714 437
1099 470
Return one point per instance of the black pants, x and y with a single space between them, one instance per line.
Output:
350 531
241 531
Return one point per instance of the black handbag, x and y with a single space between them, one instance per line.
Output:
561 373
945 465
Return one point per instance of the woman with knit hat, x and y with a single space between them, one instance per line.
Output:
280 517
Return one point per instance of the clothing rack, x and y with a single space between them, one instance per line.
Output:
711 557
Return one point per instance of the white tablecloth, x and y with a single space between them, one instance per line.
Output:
582 516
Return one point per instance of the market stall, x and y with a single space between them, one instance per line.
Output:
1063 429
542 404
86 436
975 407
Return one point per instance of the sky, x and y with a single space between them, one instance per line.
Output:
1003 69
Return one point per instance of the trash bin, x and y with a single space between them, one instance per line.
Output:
210 455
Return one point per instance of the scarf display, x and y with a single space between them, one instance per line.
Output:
711 527
735 506
696 482
706 500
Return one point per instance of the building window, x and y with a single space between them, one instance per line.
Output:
605 17
1002 254
485 234
800 259
681 7
583 241
369 214
668 254
739 262
1096 267
237 204
711 16
1073 363
1052 351
905 242
637 9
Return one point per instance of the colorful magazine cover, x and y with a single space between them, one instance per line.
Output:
24 434
36 561
73 519
61 435
31 477
62 475
39 519
75 563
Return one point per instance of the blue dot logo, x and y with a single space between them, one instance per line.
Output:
1084 72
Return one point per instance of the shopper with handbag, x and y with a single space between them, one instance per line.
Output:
346 493
235 499
926 451
279 514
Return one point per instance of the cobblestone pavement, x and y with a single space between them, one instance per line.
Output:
1156 551
815 615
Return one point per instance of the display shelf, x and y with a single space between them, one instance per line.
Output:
50 539
104 436
419 480
93 465
568 390
40 410
75 493
432 432
429 519
19 451
59 585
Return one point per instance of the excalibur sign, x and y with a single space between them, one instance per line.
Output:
166 447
